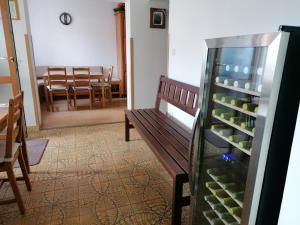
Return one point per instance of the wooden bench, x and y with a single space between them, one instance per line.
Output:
167 139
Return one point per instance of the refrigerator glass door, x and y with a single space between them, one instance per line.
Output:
224 132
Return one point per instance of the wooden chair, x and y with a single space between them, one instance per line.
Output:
58 84
81 83
107 83
10 150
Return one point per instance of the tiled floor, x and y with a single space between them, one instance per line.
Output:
88 176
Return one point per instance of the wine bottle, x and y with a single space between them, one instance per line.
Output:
236 138
227 218
237 211
237 102
240 83
259 87
218 126
228 82
217 112
211 199
256 109
226 116
249 107
249 86
226 99
212 217
246 126
218 96
245 144
238 196
220 79
225 132
236 120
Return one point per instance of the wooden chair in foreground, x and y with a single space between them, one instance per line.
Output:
58 84
81 84
10 150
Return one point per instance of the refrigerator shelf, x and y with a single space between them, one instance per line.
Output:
235 108
248 152
238 89
228 208
234 126
212 217
240 203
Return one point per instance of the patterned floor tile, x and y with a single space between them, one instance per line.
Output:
91 176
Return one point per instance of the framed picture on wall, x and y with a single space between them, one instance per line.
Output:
14 9
157 18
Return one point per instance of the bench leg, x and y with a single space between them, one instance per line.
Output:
177 204
127 127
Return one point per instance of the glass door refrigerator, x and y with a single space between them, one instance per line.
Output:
243 131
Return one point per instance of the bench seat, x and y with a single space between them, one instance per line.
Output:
167 139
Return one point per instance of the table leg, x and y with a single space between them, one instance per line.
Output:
46 93
103 90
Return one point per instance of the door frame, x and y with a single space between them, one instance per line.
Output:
13 77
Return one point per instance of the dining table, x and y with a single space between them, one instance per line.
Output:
3 124
95 78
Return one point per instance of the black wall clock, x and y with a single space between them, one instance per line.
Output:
65 18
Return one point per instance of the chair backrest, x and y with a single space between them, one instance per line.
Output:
81 70
14 123
81 76
57 76
110 74
183 96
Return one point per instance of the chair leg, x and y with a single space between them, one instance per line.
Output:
91 100
176 204
68 101
12 180
24 171
75 100
127 127
51 101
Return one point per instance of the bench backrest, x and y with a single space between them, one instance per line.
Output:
183 96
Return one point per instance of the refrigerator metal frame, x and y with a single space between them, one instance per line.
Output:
277 43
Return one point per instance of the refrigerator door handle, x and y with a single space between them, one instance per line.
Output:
190 166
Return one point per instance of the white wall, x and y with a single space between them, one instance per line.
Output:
20 29
89 41
150 51
289 213
192 21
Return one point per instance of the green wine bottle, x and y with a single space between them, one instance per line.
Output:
249 107
226 99
236 120
218 96
237 211
245 144
237 102
236 138
217 112
226 116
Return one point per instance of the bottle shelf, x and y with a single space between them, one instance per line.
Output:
242 90
216 178
212 217
234 125
228 204
235 108
248 152
222 213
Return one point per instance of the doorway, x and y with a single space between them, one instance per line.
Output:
94 39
